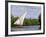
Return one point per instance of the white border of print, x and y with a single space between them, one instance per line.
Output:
23 32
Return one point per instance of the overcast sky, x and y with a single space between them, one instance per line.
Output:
33 12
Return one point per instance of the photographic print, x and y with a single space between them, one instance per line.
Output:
25 18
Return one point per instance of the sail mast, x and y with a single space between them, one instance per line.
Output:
20 20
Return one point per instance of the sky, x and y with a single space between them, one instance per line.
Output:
33 12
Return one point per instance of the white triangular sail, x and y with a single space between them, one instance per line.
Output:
20 20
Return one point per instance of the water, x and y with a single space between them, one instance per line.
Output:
26 28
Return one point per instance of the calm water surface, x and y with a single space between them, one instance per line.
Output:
25 28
